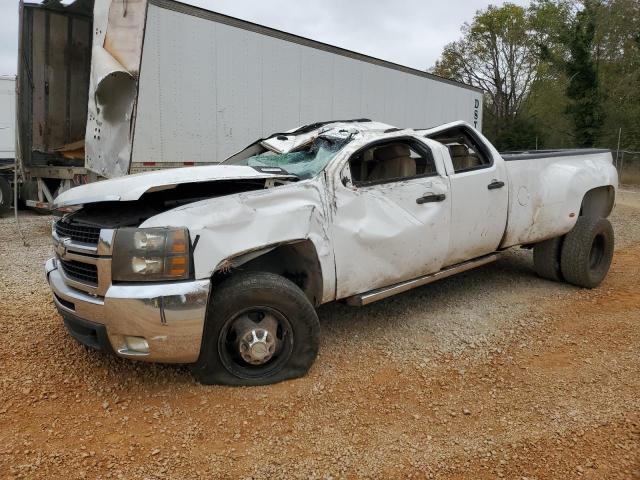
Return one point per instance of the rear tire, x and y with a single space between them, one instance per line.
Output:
260 329
587 252
546 258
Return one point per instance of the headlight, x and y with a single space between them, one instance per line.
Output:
151 254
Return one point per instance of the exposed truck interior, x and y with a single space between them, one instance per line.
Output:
466 151
390 161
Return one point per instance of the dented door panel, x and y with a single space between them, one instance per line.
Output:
382 235
379 239
478 214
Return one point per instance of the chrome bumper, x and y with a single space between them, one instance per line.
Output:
170 316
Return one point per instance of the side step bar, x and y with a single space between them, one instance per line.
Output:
378 294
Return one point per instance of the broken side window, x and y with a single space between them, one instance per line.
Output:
390 161
467 153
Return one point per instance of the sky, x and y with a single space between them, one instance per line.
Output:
408 32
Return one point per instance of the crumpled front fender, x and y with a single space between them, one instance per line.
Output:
228 227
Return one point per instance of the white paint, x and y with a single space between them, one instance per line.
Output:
523 196
478 215
132 187
373 236
380 234
556 188
7 117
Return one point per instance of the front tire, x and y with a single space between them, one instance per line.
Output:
587 252
260 329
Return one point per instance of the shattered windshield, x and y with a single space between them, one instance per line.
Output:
305 162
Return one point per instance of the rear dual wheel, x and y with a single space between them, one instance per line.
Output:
587 252
260 329
582 257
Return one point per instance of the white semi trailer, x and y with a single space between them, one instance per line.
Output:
112 87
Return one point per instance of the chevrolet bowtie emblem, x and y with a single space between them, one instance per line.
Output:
61 248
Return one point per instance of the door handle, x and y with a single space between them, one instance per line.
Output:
495 184
431 198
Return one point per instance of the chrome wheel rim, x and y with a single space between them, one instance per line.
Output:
255 342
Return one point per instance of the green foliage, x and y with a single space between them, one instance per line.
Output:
581 63
520 133
618 43
583 88
497 53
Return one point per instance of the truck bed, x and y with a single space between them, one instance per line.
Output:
545 194
512 156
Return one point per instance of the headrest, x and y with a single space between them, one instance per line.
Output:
459 150
392 151
368 156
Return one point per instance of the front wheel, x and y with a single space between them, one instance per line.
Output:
587 252
260 329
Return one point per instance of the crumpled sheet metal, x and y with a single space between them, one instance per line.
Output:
116 53
132 187
241 223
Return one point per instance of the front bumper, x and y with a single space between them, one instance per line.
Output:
169 316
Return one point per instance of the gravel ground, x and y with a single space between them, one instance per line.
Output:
493 373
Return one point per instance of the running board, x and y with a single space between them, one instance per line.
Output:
378 294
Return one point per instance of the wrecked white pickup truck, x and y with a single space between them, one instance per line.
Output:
221 266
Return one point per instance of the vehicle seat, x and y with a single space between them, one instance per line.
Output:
462 157
392 161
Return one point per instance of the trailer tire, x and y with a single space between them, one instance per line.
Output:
260 329
6 194
587 252
546 258
29 191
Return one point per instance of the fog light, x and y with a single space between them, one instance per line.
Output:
136 344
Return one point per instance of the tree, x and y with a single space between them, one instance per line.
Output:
497 53
618 40
583 91
564 72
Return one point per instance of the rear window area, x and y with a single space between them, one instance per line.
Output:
466 152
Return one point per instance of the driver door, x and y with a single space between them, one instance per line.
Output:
392 217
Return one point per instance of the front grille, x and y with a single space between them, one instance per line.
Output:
81 272
77 232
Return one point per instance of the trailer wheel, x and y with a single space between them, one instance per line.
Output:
6 194
587 252
260 329
546 258
29 191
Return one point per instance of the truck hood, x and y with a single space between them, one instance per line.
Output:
132 187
